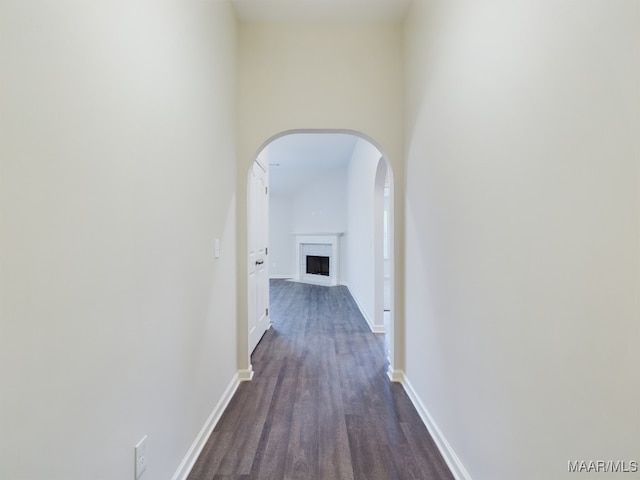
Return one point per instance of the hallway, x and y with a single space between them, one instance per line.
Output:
320 405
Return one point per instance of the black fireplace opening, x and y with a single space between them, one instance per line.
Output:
318 265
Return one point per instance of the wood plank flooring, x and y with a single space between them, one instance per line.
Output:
320 405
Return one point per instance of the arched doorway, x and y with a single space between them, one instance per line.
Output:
342 198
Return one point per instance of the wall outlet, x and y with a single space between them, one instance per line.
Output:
141 457
216 247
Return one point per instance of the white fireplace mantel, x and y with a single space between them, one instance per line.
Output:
325 244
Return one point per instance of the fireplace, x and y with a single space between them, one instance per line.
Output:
317 258
317 265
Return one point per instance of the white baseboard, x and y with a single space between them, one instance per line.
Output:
281 277
245 375
395 375
454 463
372 327
198 444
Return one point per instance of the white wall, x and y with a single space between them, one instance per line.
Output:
281 242
523 231
317 205
378 212
117 170
360 238
318 76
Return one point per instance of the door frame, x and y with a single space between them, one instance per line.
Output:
396 353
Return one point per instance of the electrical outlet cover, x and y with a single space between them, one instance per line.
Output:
141 457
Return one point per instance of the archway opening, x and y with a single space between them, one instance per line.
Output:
330 219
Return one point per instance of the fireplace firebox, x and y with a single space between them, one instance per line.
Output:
317 258
317 265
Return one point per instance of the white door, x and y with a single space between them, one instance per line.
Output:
258 285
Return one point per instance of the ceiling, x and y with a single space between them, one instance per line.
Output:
321 10
298 158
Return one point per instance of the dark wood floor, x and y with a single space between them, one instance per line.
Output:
320 405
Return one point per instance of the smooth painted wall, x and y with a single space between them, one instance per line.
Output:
316 205
360 239
281 242
318 76
117 168
523 231
319 206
